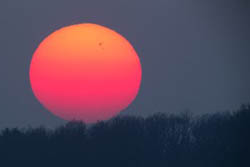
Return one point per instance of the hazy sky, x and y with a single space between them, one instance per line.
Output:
195 54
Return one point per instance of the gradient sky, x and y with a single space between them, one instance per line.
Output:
195 54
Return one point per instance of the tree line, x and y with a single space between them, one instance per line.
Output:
173 140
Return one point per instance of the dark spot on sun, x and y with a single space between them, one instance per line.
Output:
101 45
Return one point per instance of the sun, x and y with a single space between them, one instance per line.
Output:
85 72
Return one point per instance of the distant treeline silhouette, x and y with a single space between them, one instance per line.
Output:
212 140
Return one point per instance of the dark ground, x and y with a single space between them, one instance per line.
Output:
215 140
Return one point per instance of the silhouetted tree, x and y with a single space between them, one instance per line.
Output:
211 140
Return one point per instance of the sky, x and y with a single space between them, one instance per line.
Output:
195 54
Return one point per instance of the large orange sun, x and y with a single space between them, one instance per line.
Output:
85 72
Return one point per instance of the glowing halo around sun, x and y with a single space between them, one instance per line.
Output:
85 72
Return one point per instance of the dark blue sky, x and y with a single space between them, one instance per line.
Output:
195 54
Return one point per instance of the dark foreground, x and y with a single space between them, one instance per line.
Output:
218 140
